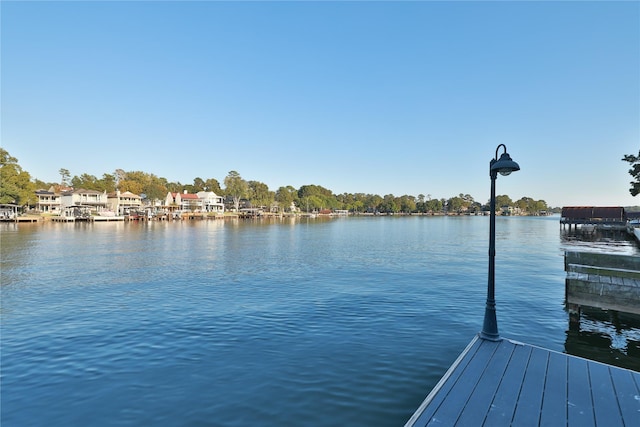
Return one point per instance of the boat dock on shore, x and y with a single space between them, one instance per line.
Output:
63 218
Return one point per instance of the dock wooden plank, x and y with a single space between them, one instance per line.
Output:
435 398
605 405
554 401
579 404
480 400
633 283
506 397
530 399
516 384
628 393
451 408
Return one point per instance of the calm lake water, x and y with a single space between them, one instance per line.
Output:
347 321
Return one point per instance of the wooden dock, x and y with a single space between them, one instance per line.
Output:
27 218
606 281
20 219
62 218
507 383
107 218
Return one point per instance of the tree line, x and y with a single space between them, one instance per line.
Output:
16 186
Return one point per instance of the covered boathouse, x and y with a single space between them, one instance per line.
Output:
594 216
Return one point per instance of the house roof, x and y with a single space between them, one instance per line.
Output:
205 194
128 194
189 196
83 191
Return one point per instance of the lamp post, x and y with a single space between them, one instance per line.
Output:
504 166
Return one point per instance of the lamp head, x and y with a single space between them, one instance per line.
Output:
504 165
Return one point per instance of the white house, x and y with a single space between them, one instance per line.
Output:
211 202
96 201
48 201
183 201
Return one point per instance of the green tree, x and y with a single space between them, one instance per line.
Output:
198 185
236 188
15 184
351 202
107 183
539 206
119 175
323 197
285 196
259 194
356 206
174 187
407 203
155 188
131 185
138 182
503 201
523 204
212 184
530 206
65 175
455 204
359 203
90 182
468 200
389 204
634 161
373 202
314 190
312 203
85 181
41 185
433 205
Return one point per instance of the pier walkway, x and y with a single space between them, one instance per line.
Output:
504 383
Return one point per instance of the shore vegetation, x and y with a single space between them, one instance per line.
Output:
18 187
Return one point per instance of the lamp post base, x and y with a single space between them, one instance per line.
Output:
490 337
490 325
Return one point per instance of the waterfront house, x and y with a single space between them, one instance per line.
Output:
49 201
94 201
172 201
123 203
183 201
211 202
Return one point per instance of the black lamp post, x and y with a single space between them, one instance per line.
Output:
504 166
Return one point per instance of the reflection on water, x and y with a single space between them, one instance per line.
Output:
609 241
606 336
348 321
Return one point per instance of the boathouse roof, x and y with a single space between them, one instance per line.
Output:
615 213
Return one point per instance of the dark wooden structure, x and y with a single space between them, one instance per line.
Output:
507 383
593 216
606 281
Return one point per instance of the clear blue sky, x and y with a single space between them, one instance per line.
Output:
373 97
